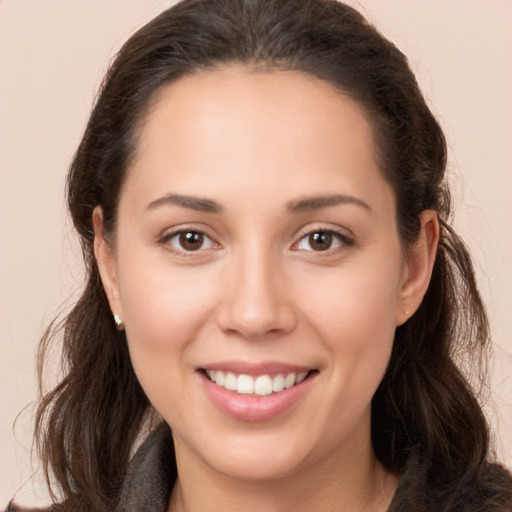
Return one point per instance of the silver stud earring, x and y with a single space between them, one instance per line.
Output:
119 322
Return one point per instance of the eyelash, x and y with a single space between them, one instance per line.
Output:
343 241
166 239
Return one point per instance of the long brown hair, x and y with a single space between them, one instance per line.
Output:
88 425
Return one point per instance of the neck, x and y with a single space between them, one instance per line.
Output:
357 482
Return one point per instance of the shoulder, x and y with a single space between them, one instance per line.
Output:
491 491
148 481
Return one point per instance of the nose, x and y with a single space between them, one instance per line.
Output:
256 300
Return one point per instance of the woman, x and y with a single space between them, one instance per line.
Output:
261 202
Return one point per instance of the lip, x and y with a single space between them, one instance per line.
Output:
251 408
271 368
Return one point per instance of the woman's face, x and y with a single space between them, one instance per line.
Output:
257 246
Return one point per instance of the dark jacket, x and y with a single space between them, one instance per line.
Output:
152 472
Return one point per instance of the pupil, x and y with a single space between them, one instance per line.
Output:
320 241
191 241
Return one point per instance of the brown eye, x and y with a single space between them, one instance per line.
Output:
190 241
319 241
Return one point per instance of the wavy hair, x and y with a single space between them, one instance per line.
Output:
88 425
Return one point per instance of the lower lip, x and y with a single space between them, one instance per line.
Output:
255 408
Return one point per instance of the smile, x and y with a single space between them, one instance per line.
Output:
261 385
256 392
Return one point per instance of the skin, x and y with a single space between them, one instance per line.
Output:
257 289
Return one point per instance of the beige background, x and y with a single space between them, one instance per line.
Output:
52 57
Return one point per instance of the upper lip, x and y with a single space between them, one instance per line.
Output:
256 368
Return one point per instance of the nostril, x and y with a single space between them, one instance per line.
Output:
252 321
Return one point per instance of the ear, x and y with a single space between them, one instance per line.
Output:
106 262
419 263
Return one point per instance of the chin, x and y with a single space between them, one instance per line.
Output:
258 468
254 457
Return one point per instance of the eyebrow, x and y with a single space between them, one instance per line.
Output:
193 203
300 205
319 202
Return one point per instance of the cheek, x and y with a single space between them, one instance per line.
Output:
354 312
357 297
354 321
163 307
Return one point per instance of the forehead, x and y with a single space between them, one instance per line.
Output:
234 123
237 94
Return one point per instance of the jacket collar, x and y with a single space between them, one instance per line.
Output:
151 475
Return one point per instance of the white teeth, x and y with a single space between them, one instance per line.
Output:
262 385
300 377
219 378
230 382
278 383
245 385
289 380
